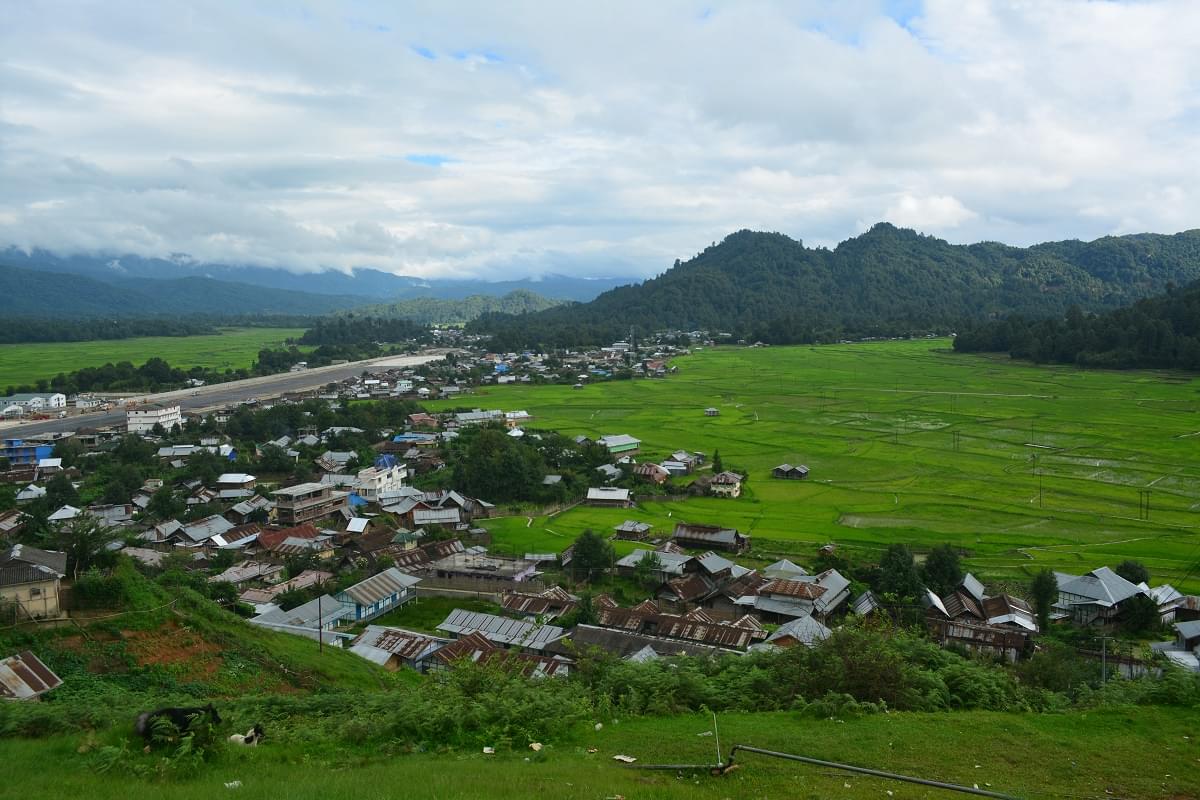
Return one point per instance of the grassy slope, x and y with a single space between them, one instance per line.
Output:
877 424
1033 755
236 347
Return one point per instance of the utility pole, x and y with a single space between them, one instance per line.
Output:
1104 660
1144 504
320 631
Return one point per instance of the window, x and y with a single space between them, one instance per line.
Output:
35 592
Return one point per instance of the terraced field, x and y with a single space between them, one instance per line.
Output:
1023 466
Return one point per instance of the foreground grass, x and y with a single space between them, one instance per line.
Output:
233 348
1130 753
910 442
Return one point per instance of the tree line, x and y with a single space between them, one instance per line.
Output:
1159 332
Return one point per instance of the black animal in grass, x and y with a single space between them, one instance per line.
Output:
182 717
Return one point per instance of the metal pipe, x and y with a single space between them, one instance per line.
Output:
878 773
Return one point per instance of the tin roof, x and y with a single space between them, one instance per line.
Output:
24 676
501 629
379 587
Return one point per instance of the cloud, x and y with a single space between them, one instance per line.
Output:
934 214
608 139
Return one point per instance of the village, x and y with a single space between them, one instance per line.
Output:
332 514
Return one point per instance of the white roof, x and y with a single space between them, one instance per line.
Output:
49 463
357 525
617 440
783 569
235 477
64 513
672 563
501 630
607 493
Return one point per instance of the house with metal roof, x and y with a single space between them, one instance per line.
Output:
804 631
790 472
29 580
709 537
1095 598
620 443
393 648
783 569
670 564
609 497
378 594
322 614
501 630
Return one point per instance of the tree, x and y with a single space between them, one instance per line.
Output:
648 571
942 571
898 574
164 505
122 482
717 464
1133 571
4 464
1140 614
1044 591
85 541
593 555
60 492
274 459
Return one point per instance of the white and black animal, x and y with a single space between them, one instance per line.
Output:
250 738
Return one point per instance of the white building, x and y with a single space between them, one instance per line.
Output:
143 418
33 403
403 386
373 481
84 401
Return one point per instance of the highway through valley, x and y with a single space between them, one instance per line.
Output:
223 394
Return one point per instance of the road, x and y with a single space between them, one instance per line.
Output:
223 394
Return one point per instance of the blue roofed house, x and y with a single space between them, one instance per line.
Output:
378 594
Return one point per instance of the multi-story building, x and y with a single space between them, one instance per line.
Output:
143 418
21 453
385 476
307 502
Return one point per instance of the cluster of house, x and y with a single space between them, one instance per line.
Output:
642 359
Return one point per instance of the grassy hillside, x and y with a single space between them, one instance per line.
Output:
1033 755
232 349
907 441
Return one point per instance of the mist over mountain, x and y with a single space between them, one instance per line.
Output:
366 283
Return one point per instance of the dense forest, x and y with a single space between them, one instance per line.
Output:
888 281
1159 332
356 330
433 310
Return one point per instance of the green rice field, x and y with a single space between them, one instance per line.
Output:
233 348
1022 466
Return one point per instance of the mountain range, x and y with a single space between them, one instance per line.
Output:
887 281
372 284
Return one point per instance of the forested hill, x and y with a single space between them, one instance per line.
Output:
30 293
887 281
1160 332
434 310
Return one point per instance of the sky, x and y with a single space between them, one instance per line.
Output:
503 140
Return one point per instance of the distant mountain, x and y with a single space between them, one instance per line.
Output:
31 293
451 312
888 281
368 283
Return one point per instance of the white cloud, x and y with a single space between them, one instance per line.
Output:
934 213
593 139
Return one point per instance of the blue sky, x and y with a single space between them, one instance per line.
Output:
502 140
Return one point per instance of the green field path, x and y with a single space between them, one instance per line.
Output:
233 348
1023 466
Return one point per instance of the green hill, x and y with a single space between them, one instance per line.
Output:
32 293
433 310
888 281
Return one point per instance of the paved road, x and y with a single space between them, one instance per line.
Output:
223 394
